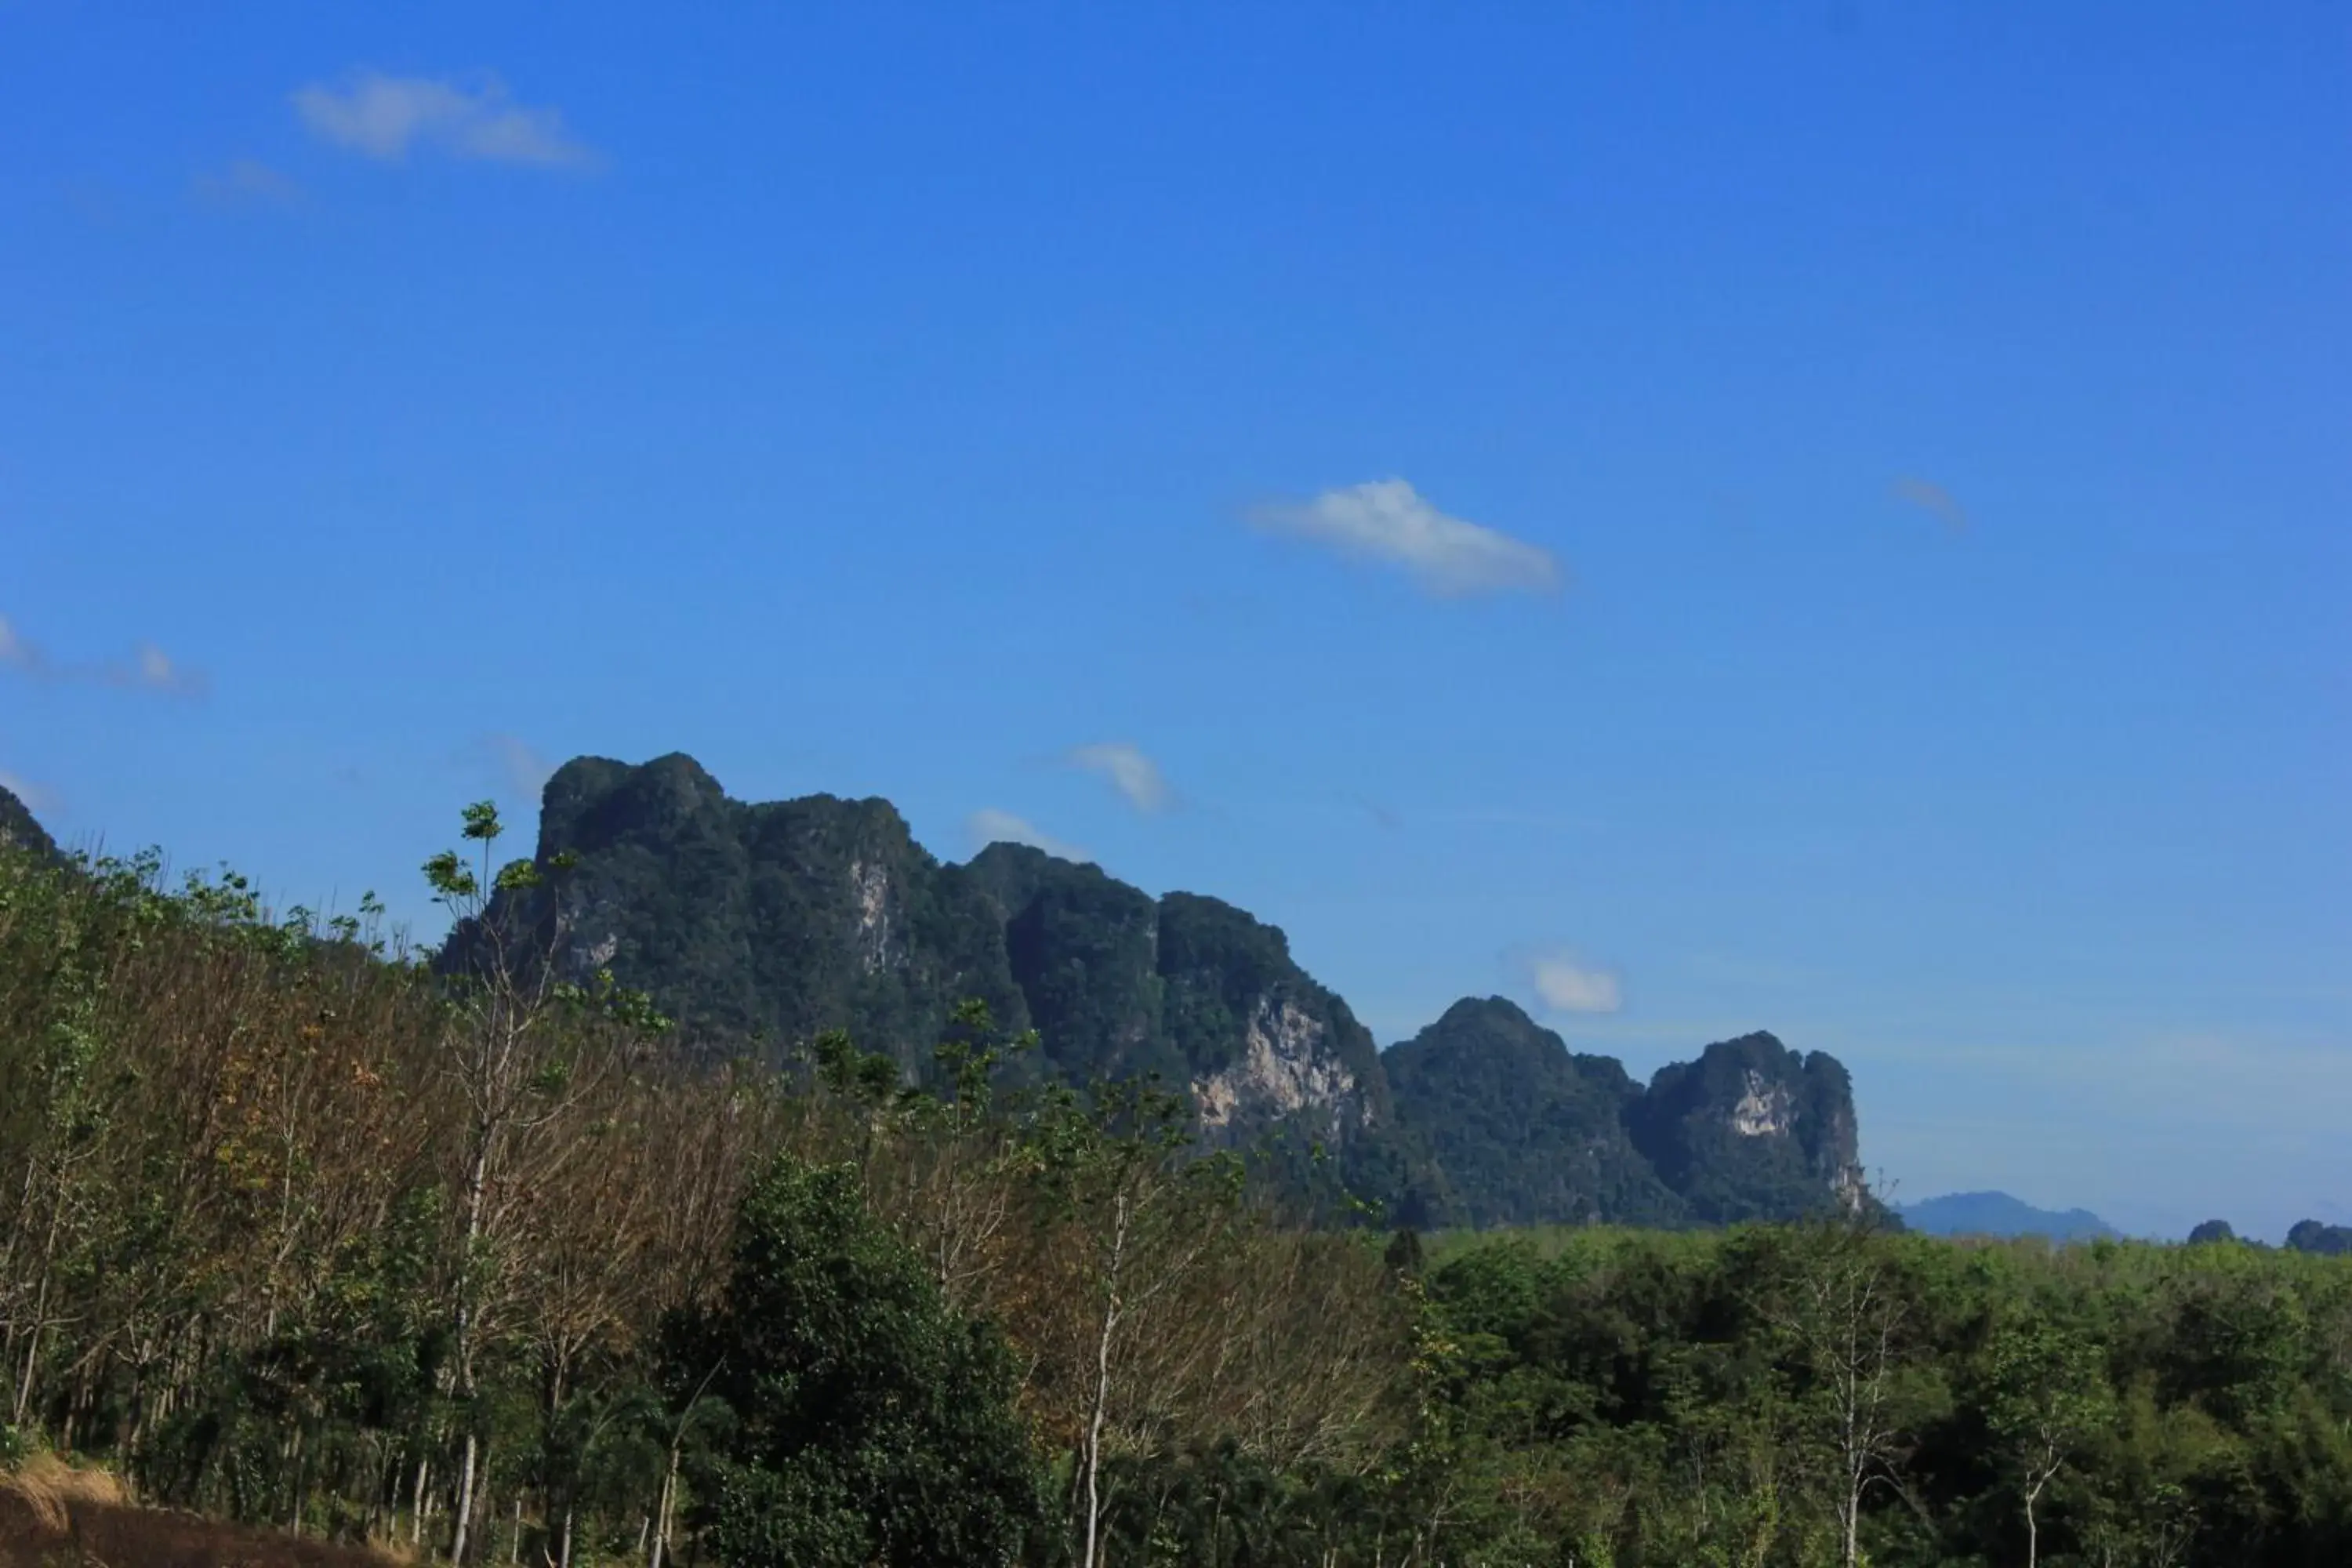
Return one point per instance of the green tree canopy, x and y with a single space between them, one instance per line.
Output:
874 1423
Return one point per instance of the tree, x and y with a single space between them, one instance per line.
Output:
519 1072
1842 1307
1131 1217
873 1423
2049 1396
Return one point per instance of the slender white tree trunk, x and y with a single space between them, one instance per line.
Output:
464 1502
1102 1386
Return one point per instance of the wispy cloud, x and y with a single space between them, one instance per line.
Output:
387 117
245 183
1387 520
1136 776
1565 983
515 764
156 671
1933 498
989 825
148 668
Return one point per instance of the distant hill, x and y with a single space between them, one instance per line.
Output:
759 925
1998 1213
2325 1240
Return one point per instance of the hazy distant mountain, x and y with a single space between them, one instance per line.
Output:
1998 1213
2327 1240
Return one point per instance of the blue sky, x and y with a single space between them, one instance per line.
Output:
1700 517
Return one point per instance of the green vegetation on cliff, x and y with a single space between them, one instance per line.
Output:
1523 1129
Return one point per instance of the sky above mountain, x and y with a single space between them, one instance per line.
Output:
1830 517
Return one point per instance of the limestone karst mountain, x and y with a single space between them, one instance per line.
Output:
760 925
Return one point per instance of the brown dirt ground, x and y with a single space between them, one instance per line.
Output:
52 1516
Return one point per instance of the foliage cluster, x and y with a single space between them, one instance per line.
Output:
1830 1393
298 1231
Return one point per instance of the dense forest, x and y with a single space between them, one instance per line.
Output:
301 1230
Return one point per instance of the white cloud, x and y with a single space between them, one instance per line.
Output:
1133 775
148 667
384 117
1933 497
989 825
1388 521
246 182
156 672
1564 983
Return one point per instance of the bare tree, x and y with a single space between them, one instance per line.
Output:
520 1073
1842 1309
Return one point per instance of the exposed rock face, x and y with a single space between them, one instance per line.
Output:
1259 1038
18 829
1753 1131
1287 1066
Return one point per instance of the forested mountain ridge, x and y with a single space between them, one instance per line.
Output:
772 923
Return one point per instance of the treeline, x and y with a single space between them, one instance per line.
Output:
295 1230
1830 1394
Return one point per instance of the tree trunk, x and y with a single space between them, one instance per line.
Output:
662 1512
465 1502
1102 1387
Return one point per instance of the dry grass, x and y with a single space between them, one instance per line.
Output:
54 1516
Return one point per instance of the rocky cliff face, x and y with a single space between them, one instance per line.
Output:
765 925
1527 1133
776 922
768 922
1753 1131
18 829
